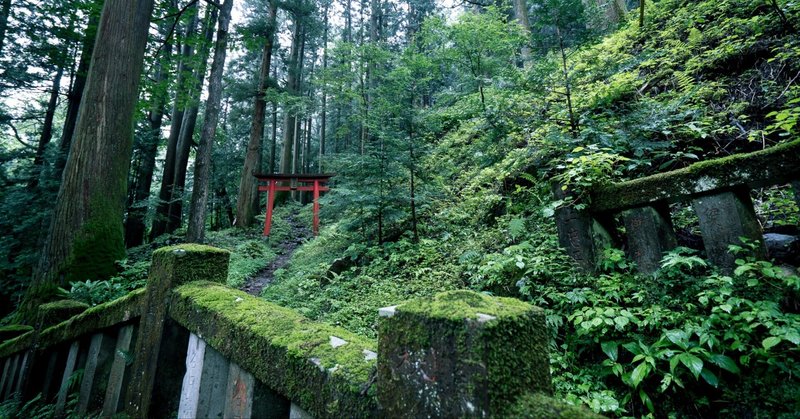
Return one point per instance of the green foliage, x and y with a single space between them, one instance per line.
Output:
132 275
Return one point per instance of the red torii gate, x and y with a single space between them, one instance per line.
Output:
297 182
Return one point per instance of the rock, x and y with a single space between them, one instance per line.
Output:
783 247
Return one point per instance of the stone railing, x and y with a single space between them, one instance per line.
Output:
188 346
719 194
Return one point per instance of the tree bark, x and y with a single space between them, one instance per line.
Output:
47 129
197 210
137 210
86 236
75 94
324 105
168 175
292 84
521 11
247 204
189 124
5 12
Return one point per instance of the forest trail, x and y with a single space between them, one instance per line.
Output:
262 279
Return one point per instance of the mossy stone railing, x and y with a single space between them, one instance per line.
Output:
718 191
189 345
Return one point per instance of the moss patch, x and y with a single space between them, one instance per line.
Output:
12 331
540 406
191 262
58 311
286 351
101 316
775 165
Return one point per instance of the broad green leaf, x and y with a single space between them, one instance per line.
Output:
770 342
725 363
693 363
611 349
639 373
709 377
621 321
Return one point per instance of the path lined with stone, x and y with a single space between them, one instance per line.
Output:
262 279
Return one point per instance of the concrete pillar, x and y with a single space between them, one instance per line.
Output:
72 359
8 386
96 372
213 385
171 267
650 234
460 354
190 391
116 377
239 393
724 218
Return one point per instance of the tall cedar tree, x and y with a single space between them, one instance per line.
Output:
247 204
197 218
86 235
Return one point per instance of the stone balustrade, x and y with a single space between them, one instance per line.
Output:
188 346
718 191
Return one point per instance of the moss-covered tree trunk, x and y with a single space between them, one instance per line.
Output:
247 203
197 213
86 234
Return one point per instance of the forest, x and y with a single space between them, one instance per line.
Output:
455 132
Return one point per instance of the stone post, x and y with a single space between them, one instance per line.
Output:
650 234
460 354
579 233
116 377
724 218
171 267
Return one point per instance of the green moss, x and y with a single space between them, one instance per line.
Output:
101 316
190 262
283 349
98 244
12 331
775 165
540 406
58 311
463 304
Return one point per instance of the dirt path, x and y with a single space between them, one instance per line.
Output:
299 233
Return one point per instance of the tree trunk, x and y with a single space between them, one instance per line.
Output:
137 205
86 236
641 14
168 175
197 210
47 129
292 84
5 12
75 94
247 205
573 121
324 105
521 11
189 124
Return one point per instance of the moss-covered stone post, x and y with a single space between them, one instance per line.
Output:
460 354
583 236
171 267
650 234
724 218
